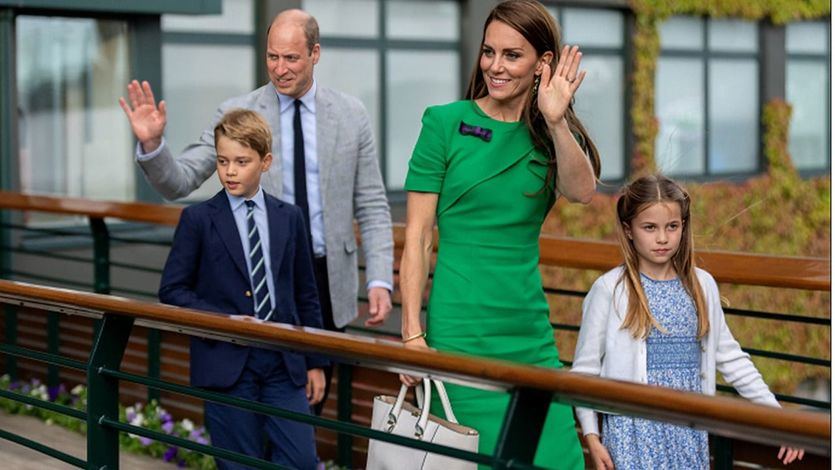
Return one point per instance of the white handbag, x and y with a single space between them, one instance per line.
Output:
395 416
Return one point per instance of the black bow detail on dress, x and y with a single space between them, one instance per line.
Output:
480 132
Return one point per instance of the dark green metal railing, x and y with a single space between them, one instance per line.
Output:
100 240
103 425
516 447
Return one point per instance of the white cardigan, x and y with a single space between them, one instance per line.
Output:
606 350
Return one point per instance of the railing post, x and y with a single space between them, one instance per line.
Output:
723 453
154 341
101 261
11 340
101 256
103 392
53 341
344 410
523 423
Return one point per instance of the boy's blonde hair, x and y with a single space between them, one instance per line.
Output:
636 197
247 128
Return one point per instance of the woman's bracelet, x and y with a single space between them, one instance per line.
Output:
422 334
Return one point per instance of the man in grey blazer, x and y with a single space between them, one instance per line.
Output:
341 175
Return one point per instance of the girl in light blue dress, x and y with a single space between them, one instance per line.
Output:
657 319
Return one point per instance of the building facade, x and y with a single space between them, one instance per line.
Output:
64 68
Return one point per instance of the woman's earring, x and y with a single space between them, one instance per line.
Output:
535 88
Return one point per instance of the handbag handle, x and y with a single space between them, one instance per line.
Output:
439 386
424 398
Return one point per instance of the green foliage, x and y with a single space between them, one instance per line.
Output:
648 16
647 43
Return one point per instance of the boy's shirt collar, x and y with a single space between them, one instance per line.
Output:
236 201
308 100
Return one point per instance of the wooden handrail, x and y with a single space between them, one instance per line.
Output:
737 268
130 211
724 416
725 266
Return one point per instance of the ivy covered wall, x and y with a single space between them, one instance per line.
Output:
776 213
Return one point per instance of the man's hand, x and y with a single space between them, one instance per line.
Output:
379 306
315 387
146 119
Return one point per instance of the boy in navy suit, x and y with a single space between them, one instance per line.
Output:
246 253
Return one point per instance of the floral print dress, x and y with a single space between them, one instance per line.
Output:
673 361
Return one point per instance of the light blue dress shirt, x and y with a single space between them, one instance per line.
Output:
260 215
287 112
311 162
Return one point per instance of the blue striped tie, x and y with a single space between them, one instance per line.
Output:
258 273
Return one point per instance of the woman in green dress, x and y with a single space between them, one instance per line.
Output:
488 170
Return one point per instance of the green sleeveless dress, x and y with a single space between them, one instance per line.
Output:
487 298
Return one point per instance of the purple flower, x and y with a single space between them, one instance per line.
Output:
181 463
145 441
130 415
194 435
168 427
202 440
165 417
14 385
170 454
35 382
54 392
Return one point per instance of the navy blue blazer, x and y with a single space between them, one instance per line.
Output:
206 270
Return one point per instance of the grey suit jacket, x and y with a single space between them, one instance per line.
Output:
349 181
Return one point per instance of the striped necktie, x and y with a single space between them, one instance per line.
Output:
258 272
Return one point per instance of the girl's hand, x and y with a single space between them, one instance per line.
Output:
557 88
417 344
790 454
598 453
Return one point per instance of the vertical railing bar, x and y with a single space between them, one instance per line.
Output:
103 391
723 453
101 261
53 343
344 411
10 313
101 255
154 346
522 428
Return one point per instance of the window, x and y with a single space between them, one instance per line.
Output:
74 138
600 101
707 98
807 90
206 59
398 57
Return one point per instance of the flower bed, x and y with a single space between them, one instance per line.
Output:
150 416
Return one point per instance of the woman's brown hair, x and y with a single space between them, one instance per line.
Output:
530 19
635 198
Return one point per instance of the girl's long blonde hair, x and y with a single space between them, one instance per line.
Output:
636 197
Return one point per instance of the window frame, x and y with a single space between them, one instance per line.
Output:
625 53
705 56
826 60
382 44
